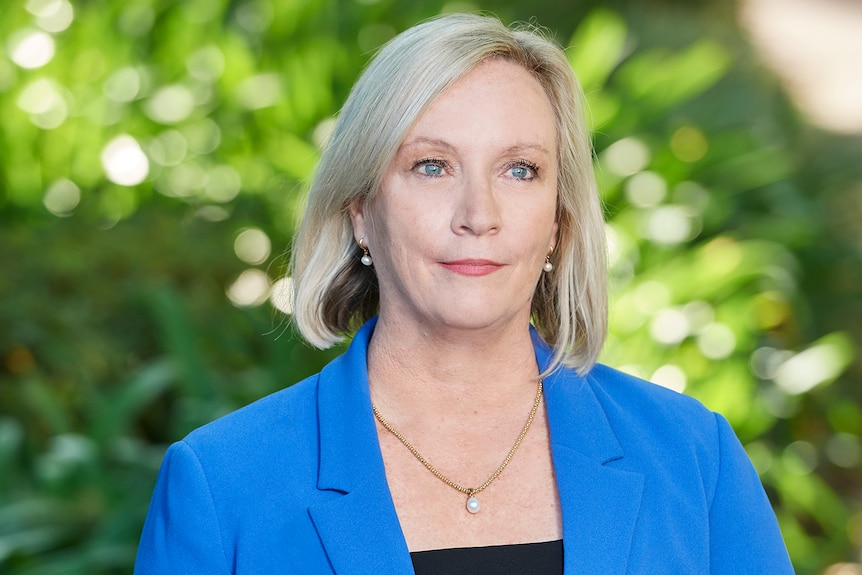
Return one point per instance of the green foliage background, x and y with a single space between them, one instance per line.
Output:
736 267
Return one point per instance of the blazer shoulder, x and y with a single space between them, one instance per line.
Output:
281 418
658 424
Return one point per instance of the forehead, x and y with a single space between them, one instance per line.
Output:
497 100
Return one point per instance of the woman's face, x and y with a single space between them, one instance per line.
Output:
465 215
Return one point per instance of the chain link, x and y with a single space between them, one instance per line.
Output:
469 491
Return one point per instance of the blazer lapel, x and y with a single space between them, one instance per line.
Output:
600 502
359 527
600 509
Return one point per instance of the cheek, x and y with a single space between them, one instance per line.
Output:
399 220
538 223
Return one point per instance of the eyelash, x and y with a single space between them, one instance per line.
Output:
524 164
430 161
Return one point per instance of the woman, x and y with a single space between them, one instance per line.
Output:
454 205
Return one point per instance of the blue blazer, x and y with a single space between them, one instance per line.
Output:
649 482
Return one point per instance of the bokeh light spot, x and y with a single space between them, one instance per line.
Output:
844 569
716 341
32 49
212 213
41 7
669 225
124 85
223 184
699 314
778 403
671 377
52 15
62 197
765 361
669 326
799 458
322 132
626 157
252 246
689 144
250 289
692 195
760 456
168 148
770 310
202 137
843 450
651 296
170 104
124 161
45 102
646 189
282 295
254 16
182 181
207 64
38 96
259 91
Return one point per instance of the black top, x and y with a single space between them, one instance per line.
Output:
544 558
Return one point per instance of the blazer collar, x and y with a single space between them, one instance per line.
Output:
360 529
600 503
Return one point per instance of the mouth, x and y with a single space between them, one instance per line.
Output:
472 267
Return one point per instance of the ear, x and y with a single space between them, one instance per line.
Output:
357 209
552 241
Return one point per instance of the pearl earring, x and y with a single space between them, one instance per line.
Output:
548 267
366 257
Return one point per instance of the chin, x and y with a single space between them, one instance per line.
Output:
475 319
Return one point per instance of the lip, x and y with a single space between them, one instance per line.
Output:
472 267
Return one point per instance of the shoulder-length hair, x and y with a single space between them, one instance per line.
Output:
334 293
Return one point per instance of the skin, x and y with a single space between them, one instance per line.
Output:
459 232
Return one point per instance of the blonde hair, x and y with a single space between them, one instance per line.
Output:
334 293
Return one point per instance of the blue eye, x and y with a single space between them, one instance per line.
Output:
523 170
431 168
520 172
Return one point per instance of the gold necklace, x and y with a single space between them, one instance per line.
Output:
473 505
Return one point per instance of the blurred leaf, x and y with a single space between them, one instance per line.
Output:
823 362
113 413
596 47
181 340
660 79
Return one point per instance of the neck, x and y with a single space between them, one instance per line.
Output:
449 370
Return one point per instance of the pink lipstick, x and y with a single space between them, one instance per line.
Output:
472 267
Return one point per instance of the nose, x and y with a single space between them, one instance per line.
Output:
478 210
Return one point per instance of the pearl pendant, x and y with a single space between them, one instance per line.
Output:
366 260
473 505
548 267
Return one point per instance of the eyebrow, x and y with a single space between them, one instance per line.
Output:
435 142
